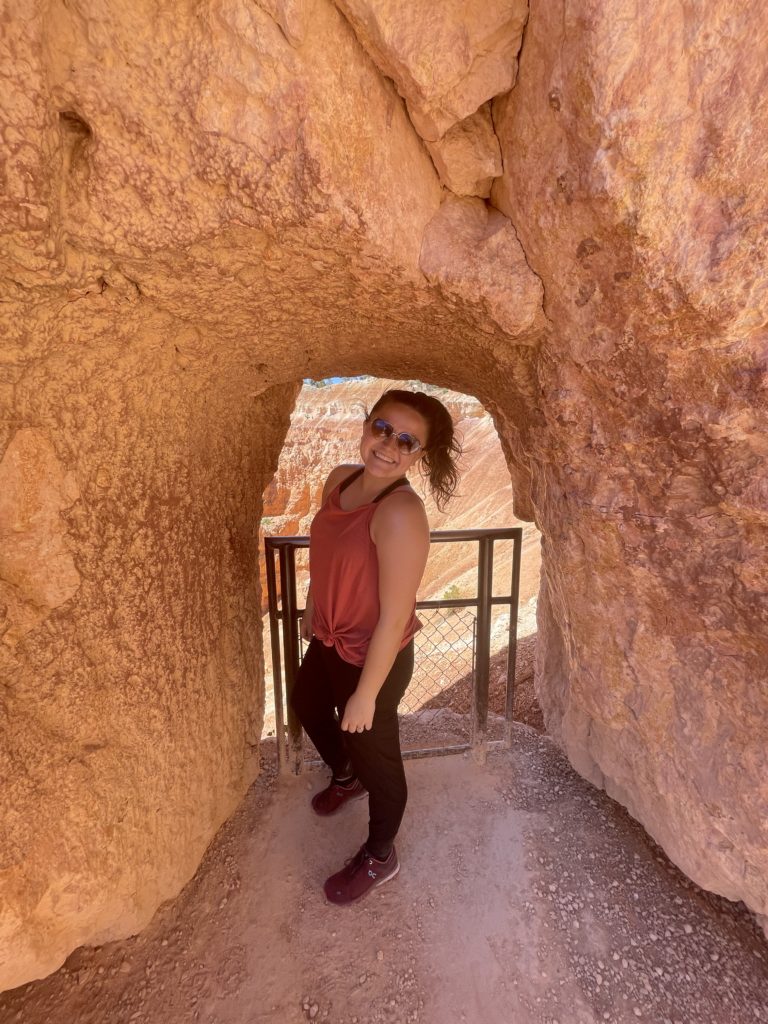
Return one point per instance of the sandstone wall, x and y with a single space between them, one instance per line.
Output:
132 698
635 178
206 204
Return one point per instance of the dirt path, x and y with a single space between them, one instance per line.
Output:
525 897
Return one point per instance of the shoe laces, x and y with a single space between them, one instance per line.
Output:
358 859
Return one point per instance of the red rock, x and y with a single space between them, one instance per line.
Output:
472 252
631 149
446 60
468 156
37 571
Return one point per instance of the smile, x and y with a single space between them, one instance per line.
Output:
383 458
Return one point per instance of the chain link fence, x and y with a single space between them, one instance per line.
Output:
444 654
445 650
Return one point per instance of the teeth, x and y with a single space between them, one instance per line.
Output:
381 457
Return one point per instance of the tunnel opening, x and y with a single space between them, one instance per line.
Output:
435 712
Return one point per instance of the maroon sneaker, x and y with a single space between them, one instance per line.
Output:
359 875
333 797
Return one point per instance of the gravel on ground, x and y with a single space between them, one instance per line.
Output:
525 896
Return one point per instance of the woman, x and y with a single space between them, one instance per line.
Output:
368 549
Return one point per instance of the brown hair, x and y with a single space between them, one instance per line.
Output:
442 450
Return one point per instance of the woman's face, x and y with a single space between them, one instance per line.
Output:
382 456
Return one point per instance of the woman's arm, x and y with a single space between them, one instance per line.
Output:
306 620
401 534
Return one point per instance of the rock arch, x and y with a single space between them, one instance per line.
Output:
204 208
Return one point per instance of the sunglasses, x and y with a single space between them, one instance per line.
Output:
407 443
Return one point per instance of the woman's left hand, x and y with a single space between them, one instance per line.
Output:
358 714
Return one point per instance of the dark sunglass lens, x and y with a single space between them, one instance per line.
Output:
382 429
407 443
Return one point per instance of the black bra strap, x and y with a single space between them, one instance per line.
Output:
388 490
345 483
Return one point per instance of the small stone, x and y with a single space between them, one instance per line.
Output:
379 954
313 1011
468 157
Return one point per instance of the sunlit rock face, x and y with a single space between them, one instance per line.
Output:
203 206
445 59
472 253
631 153
37 573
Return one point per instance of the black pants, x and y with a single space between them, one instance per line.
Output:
324 684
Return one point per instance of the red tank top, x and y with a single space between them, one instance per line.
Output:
344 571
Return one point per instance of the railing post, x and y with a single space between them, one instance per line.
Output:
277 672
517 553
482 665
290 651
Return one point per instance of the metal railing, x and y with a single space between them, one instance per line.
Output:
285 616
